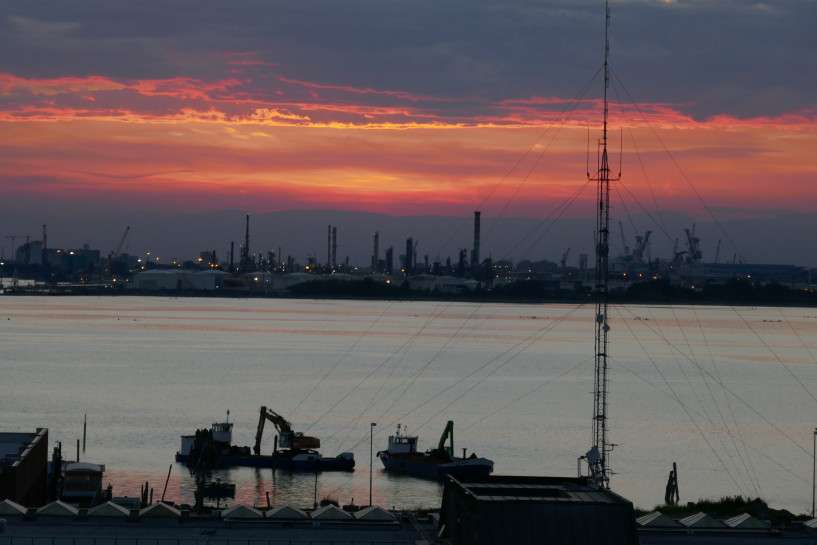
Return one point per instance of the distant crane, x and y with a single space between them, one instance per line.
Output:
12 237
676 255
624 248
563 261
641 246
717 251
693 246
121 242
115 254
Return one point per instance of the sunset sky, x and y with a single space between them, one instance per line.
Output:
406 107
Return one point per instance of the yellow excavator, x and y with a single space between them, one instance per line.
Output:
286 439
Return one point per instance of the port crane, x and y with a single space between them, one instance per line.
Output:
13 237
563 261
115 254
694 245
641 246
287 439
625 250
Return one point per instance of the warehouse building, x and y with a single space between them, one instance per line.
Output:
497 510
24 467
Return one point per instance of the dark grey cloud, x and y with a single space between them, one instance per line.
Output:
735 57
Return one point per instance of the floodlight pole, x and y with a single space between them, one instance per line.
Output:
371 457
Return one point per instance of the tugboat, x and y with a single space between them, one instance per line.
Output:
402 456
213 448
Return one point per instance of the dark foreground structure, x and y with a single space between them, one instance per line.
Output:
84 529
500 510
23 465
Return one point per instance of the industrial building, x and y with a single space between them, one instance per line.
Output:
497 510
178 279
24 467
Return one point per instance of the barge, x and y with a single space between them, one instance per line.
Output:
211 448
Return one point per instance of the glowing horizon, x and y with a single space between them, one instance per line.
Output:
206 145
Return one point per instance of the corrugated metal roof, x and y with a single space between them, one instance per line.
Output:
8 507
812 523
287 512
58 509
657 519
745 520
701 520
507 488
330 512
374 512
160 510
241 511
108 509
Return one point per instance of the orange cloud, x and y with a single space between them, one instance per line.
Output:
195 144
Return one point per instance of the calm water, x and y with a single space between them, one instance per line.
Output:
727 393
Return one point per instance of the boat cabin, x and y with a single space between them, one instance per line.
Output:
400 444
82 483
222 432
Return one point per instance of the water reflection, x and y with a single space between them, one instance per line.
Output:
263 487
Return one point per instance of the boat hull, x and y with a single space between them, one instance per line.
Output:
432 468
297 463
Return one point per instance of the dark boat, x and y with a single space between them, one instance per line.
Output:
218 489
210 448
402 456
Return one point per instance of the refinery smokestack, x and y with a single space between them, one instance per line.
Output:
247 235
376 254
475 253
334 247
407 262
245 251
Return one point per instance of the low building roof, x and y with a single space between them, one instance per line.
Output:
109 509
811 523
539 489
58 509
15 445
241 511
656 519
701 520
746 521
160 510
8 507
287 512
330 512
84 467
373 512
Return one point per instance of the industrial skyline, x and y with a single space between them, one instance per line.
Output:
340 240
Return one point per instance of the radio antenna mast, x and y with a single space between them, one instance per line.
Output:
599 470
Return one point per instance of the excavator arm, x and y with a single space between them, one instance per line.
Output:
448 434
288 438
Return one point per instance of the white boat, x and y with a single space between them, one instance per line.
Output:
402 456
